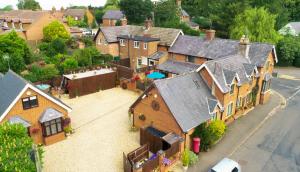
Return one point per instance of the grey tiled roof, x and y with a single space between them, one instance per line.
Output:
113 14
50 114
166 35
225 68
184 13
157 55
177 67
219 48
212 104
187 98
192 24
10 87
75 12
249 68
27 15
19 120
139 38
295 26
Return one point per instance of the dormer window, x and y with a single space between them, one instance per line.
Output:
145 46
232 89
21 26
136 44
122 42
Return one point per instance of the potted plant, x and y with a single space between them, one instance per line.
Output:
185 158
68 130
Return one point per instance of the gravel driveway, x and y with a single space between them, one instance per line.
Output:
102 134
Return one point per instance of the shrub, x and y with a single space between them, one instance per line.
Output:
297 62
210 134
69 64
185 158
193 158
37 73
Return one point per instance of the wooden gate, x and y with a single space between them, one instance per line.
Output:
152 136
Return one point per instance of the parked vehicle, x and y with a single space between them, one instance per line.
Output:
226 165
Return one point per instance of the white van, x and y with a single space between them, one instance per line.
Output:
226 165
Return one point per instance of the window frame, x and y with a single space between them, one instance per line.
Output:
49 125
231 109
145 45
122 42
31 105
136 44
213 116
189 59
232 87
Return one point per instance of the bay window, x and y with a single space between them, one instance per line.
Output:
52 127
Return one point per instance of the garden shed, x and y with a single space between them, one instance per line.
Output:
83 83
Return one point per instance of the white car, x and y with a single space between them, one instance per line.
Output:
226 165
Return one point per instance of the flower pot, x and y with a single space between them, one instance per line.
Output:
185 168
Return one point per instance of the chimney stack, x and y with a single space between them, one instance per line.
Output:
210 34
148 24
123 21
244 46
178 2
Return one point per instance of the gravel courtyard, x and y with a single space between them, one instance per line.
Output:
102 134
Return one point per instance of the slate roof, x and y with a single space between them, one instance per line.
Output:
230 67
50 114
75 12
166 35
19 120
187 98
219 48
157 55
184 13
177 67
295 26
22 15
138 38
113 14
11 85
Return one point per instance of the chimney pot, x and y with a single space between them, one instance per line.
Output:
148 24
210 34
123 22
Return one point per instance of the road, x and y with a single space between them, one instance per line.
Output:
275 147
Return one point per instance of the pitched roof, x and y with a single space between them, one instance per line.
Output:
167 36
19 120
113 14
187 98
224 70
139 38
50 114
11 85
219 48
295 26
184 13
177 67
75 12
23 15
157 55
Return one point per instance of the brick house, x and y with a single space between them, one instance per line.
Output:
177 104
111 17
28 24
42 114
78 15
185 17
136 43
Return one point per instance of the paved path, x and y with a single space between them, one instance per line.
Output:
276 146
236 134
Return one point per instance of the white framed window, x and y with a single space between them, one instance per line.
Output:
232 89
76 18
139 62
239 102
122 42
13 25
21 26
267 65
229 109
151 62
136 44
145 45
213 116
266 86
99 41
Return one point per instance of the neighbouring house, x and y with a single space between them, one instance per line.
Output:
292 28
112 17
235 75
43 115
28 24
185 17
137 43
78 15
177 105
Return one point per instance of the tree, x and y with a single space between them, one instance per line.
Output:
69 64
86 56
166 14
28 5
15 148
7 8
56 46
46 73
288 51
136 11
17 51
257 23
55 30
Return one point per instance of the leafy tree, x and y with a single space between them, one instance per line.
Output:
56 46
28 5
69 64
136 11
16 49
7 8
288 51
98 13
203 22
85 56
46 73
15 148
166 14
257 23
55 30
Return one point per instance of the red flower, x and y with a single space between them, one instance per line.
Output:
35 130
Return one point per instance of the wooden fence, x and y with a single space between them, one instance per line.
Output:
123 71
84 86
